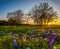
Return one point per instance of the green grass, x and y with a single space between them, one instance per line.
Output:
25 28
58 46
17 29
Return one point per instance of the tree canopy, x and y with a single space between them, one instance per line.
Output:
15 17
43 14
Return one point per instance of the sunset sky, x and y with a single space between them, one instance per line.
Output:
25 5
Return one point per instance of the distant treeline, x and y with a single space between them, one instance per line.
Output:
6 23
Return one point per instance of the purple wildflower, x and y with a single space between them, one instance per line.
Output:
46 35
27 38
20 35
15 43
53 35
51 43
52 39
33 36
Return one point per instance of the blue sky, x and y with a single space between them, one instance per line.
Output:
25 5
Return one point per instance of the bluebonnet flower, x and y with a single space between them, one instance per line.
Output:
51 41
20 35
27 38
15 43
53 37
33 36
46 35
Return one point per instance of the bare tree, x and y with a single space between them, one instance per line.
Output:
43 14
15 17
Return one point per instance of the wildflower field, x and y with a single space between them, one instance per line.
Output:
29 37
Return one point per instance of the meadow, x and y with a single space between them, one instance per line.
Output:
25 28
29 37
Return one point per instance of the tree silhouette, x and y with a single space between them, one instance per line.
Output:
43 14
15 17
